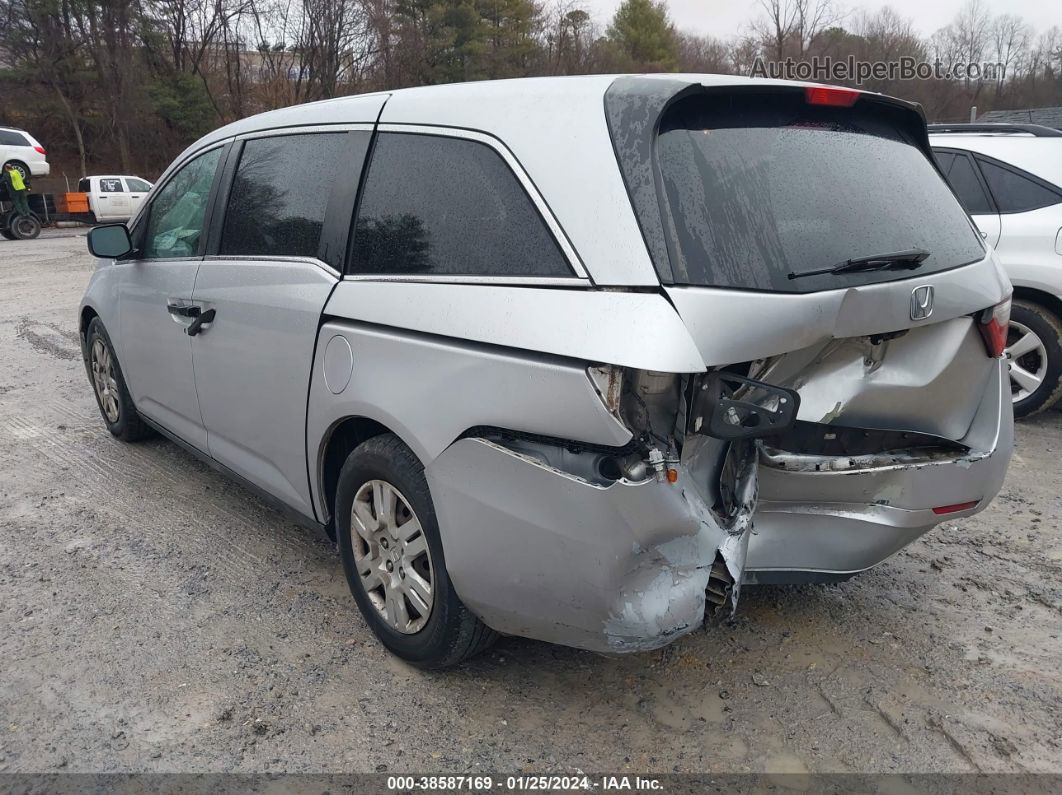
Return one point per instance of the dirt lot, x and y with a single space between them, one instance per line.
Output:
153 616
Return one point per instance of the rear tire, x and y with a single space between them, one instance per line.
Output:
108 384
436 635
21 168
24 227
1044 361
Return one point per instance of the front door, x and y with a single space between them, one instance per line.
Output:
112 198
281 245
155 303
138 191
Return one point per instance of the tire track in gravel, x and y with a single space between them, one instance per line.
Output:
131 564
108 486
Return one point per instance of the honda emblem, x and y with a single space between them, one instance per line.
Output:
922 302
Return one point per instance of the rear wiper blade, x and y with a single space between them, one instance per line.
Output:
911 258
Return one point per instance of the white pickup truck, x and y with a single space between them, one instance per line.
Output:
114 197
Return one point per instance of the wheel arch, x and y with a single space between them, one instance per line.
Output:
1041 297
85 318
14 161
338 442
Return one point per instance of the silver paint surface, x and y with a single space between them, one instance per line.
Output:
639 330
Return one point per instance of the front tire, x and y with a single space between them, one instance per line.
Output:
393 558
1034 354
108 384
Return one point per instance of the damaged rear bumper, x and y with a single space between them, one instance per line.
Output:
537 552
822 519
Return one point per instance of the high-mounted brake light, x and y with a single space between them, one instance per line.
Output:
831 96
993 324
40 149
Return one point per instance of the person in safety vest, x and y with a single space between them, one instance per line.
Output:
16 186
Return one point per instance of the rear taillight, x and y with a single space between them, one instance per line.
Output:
39 149
993 324
831 96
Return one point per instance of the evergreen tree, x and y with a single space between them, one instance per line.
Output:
642 32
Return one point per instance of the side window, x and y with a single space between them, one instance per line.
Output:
137 185
177 214
83 186
968 187
111 186
280 194
1015 193
944 160
12 138
439 205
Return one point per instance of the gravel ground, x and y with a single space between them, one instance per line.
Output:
156 617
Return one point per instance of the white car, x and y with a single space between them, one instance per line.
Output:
114 197
1009 178
24 152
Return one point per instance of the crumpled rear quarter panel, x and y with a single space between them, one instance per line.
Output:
539 553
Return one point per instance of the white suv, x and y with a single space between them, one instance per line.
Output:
1009 178
24 152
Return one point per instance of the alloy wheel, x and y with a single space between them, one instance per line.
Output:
391 556
1027 359
103 380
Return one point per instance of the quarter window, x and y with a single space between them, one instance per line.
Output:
280 194
177 214
967 186
12 138
440 205
1015 193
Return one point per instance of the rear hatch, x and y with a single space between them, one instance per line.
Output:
806 238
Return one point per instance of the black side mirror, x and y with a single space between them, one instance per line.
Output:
110 241
730 406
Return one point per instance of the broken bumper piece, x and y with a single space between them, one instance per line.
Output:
538 552
827 518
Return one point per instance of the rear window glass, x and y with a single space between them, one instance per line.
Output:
963 180
1015 193
757 190
12 138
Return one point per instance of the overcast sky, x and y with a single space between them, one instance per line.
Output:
723 18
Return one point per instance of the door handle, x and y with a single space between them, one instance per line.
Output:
183 310
200 318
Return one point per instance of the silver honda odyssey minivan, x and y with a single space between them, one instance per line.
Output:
568 358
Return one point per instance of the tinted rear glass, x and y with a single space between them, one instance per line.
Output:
963 179
757 190
12 138
1015 193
